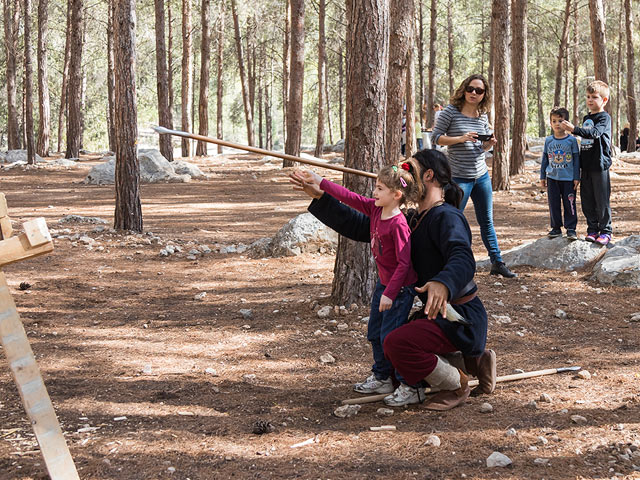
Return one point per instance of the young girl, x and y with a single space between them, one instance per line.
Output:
393 296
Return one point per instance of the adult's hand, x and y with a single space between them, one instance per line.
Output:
489 144
437 295
297 179
468 137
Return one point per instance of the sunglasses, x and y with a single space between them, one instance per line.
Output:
471 89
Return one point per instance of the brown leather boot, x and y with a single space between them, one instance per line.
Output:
448 399
484 368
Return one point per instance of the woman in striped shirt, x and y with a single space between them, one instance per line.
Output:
459 127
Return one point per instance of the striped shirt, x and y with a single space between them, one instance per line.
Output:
467 159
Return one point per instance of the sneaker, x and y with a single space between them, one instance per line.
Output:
373 385
555 232
571 235
499 268
404 395
591 237
603 239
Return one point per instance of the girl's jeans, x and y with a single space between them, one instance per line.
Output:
383 323
479 189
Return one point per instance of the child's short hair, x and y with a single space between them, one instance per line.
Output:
598 86
559 112
398 177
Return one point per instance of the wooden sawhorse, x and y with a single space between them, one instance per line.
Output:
26 374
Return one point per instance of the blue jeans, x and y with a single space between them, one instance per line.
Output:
382 323
479 189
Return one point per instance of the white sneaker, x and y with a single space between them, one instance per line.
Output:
373 385
404 395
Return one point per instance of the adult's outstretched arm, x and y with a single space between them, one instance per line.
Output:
341 218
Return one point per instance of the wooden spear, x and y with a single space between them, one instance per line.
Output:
284 156
472 383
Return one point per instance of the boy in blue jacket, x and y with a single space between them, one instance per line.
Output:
560 173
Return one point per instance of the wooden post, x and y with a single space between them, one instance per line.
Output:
26 374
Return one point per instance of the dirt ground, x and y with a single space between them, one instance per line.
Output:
118 332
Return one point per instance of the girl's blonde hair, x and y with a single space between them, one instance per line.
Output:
401 179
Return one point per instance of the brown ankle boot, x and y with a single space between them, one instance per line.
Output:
448 399
484 368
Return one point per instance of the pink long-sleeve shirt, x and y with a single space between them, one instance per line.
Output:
390 239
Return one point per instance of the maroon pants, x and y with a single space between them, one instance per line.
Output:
412 348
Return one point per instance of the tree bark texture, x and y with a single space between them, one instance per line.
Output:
401 26
322 66
28 80
110 78
74 117
562 50
542 124
64 90
500 55
128 211
341 81
44 106
187 75
11 26
367 63
433 39
451 44
170 55
296 81
574 61
243 77
205 67
285 66
411 132
632 113
421 92
165 117
598 41
519 72
219 60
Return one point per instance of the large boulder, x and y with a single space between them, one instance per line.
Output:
621 264
154 168
17 156
552 253
301 234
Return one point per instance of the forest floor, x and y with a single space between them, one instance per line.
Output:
118 332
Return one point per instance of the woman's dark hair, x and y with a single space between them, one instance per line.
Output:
458 99
437 162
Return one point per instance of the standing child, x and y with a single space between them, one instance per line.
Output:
595 160
560 173
392 299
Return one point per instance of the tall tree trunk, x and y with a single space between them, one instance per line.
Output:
574 61
598 41
367 62
111 85
421 93
44 107
322 66
187 75
433 38
328 101
11 25
219 59
251 64
557 92
500 55
286 47
128 211
205 66
341 92
632 113
401 24
268 118
542 124
170 57
165 117
64 90
411 132
243 77
619 73
451 44
296 81
75 80
28 81
519 73
83 81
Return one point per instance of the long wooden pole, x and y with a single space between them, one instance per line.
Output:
472 383
284 156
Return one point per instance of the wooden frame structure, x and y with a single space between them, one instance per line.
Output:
35 241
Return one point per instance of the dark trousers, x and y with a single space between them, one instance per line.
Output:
562 191
595 190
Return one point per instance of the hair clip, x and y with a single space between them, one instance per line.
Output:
395 169
404 184
406 166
